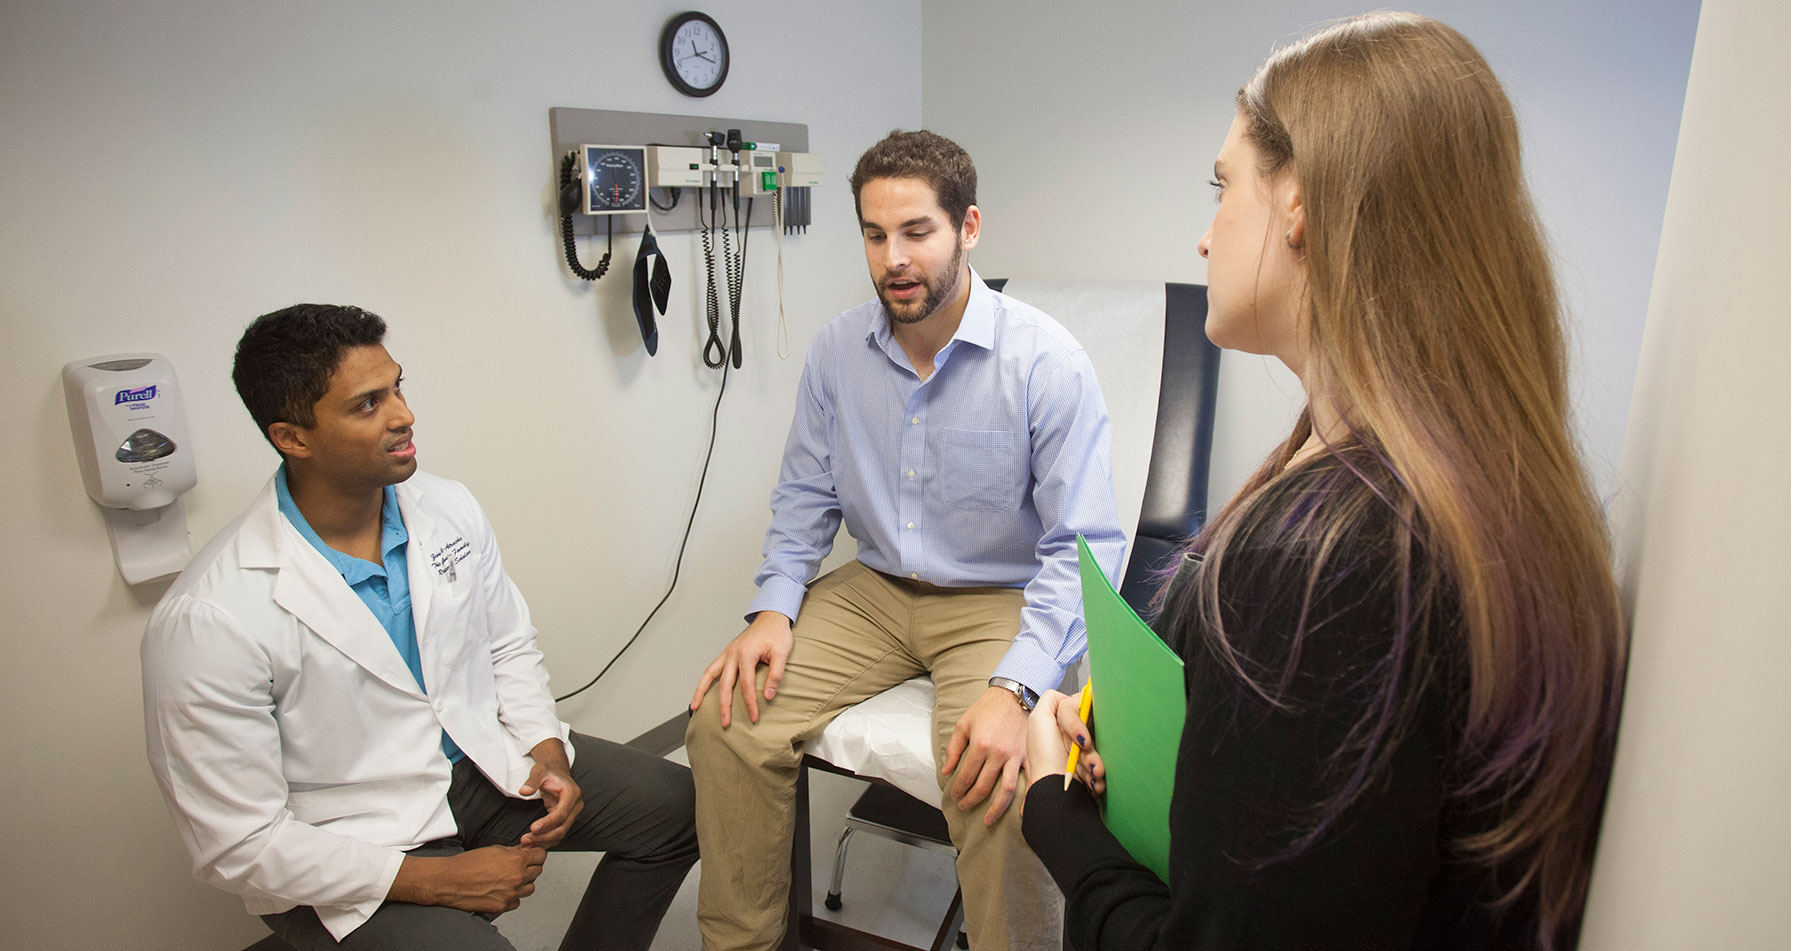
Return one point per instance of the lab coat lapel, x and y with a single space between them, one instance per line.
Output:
308 587
422 578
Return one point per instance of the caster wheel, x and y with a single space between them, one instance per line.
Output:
834 901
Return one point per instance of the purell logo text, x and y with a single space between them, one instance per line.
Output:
142 394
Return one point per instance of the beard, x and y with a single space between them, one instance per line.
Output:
938 289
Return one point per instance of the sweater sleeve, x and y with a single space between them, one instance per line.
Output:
1123 903
1253 779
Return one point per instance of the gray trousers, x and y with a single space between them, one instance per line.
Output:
639 811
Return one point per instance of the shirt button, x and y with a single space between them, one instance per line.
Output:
914 576
909 526
916 421
909 473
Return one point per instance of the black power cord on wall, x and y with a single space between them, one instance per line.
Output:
712 437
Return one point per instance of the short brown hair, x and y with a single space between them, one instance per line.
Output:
928 156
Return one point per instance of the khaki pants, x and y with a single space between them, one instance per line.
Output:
859 633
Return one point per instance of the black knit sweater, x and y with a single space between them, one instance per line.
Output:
1251 777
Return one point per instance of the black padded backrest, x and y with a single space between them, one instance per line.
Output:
1175 492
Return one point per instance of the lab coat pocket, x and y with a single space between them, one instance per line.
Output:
457 630
982 470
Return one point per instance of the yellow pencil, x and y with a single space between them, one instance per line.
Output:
1075 751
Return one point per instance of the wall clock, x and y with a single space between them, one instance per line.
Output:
694 53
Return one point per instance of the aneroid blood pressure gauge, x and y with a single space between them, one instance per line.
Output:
612 179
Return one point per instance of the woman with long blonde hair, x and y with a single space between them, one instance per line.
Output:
1404 644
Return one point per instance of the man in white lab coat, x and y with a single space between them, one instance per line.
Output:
344 701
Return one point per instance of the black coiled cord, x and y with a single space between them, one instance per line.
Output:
714 345
733 281
736 277
599 270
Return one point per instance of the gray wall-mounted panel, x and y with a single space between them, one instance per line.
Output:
573 128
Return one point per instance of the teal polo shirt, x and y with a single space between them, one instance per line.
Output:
384 587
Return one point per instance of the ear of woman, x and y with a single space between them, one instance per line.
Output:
1288 196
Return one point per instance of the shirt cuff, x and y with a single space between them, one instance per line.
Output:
529 731
1030 666
780 594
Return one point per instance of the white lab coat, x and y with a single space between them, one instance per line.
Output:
297 754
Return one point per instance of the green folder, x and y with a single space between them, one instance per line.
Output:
1138 707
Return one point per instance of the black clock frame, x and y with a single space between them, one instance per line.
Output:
666 55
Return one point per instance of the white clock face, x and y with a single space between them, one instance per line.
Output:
699 54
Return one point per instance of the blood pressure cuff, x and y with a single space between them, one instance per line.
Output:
650 286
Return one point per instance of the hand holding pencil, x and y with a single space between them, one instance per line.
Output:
1057 724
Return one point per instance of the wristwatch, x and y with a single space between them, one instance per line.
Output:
1027 697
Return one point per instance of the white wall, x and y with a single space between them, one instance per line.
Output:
173 170
1695 846
1095 128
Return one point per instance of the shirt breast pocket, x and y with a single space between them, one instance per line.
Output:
982 470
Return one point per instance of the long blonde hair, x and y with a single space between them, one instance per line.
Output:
1435 331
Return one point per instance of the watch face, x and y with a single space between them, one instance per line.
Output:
694 53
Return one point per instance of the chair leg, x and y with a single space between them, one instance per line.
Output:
834 898
950 930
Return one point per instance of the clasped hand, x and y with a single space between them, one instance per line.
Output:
495 878
562 797
488 880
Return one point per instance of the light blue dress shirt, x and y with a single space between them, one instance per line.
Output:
982 474
385 588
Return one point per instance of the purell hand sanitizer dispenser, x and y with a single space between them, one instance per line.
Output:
131 438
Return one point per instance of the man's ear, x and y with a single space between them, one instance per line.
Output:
971 231
289 439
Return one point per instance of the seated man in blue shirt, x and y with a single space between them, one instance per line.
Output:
345 704
960 435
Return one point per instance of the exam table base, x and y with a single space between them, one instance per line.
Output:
882 810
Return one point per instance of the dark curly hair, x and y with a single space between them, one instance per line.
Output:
286 358
924 155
